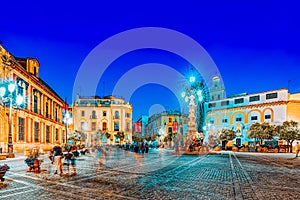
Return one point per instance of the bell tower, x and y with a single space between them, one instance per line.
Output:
217 91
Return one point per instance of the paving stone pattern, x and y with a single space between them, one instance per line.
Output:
125 175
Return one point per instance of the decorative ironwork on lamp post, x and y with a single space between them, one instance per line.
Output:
8 95
67 120
196 94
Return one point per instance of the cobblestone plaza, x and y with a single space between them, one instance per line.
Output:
126 175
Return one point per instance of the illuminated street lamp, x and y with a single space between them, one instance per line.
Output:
67 120
13 99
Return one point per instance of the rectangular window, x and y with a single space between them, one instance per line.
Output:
93 126
225 103
238 119
128 115
211 105
36 132
254 118
47 134
82 126
64 136
271 95
35 104
267 116
82 113
116 126
254 98
240 100
21 128
211 121
56 134
56 114
47 109
224 120
104 113
127 127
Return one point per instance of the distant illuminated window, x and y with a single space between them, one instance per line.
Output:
267 116
271 95
238 119
224 120
254 118
240 100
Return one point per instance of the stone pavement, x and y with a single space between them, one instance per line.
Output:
126 175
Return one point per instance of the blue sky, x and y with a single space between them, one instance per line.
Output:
254 44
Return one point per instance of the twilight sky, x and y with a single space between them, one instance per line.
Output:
254 44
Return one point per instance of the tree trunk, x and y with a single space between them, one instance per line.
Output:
291 146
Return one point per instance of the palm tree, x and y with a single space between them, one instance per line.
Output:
289 132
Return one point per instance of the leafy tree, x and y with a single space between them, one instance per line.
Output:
77 136
264 131
288 131
178 137
256 132
107 134
227 135
137 137
120 135
98 135
167 138
151 137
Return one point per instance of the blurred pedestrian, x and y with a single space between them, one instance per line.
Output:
177 149
297 148
161 147
70 158
59 164
146 147
143 148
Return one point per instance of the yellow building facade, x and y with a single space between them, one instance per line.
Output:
37 123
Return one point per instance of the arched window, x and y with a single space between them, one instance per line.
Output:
104 126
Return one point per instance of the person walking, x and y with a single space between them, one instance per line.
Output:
59 164
70 158
57 151
297 149
146 147
143 148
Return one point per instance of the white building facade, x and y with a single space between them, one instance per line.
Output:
108 114
239 112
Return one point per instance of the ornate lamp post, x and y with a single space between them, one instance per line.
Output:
12 99
195 94
67 120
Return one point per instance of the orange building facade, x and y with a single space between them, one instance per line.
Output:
38 121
